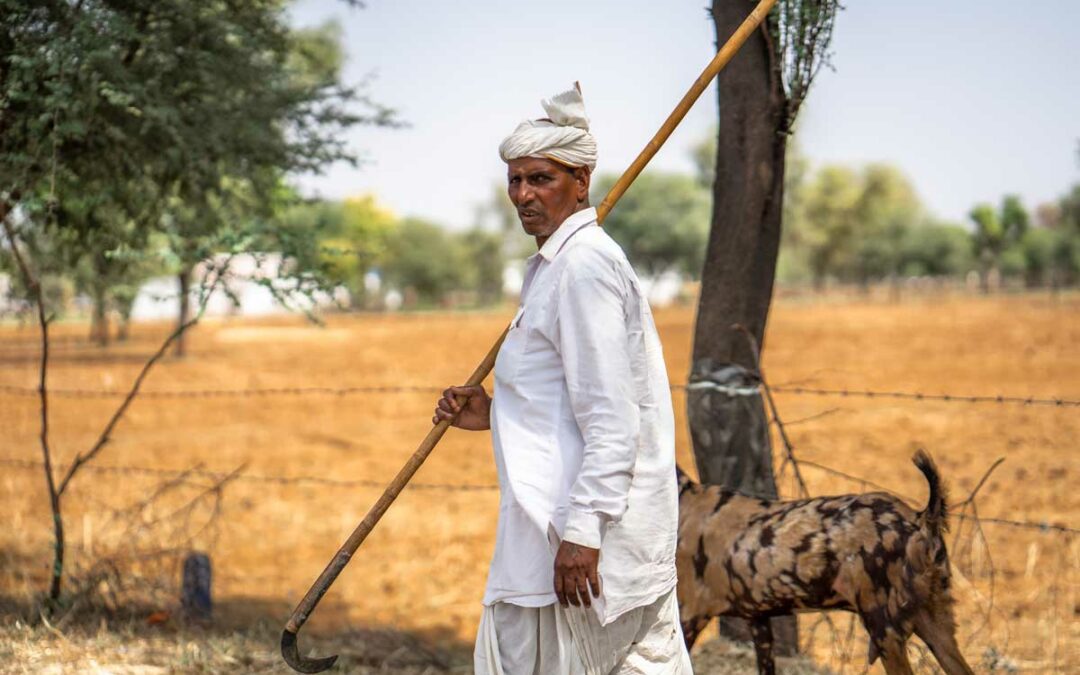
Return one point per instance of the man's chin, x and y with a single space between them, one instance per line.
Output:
533 227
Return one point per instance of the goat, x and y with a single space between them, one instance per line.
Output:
870 553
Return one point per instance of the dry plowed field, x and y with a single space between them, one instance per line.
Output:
423 569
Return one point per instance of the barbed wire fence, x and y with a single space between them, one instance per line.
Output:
285 480
254 392
843 640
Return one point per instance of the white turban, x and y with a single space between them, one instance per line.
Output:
563 136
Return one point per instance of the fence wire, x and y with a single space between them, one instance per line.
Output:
262 392
250 477
1041 527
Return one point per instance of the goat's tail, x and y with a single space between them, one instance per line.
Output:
935 517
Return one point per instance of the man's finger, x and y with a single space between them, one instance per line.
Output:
594 582
467 392
583 592
572 592
559 589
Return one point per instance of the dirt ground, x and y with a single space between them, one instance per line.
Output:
422 571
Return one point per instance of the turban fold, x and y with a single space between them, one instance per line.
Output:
563 136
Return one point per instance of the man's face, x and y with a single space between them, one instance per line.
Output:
545 193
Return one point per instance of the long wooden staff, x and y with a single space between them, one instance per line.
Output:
300 615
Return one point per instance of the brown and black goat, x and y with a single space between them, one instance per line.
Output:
871 554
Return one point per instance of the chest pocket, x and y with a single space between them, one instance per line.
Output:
513 347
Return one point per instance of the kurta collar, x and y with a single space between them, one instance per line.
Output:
575 222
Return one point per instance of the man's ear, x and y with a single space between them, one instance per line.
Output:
582 176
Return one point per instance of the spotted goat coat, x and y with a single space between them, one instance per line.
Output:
871 554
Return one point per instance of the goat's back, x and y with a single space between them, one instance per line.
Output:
749 557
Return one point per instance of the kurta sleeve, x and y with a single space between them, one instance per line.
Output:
593 343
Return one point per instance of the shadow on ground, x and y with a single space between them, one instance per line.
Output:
89 635
242 637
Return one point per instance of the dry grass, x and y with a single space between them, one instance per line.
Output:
422 570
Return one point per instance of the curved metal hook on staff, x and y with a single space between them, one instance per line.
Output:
289 649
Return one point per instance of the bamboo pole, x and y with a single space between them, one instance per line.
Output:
289 649
730 48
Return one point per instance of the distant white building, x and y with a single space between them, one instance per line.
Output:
245 292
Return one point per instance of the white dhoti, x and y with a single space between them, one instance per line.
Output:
550 640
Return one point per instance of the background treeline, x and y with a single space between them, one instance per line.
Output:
842 225
866 224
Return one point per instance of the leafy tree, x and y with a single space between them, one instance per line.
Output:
829 221
1051 249
935 249
182 117
355 242
887 209
483 261
424 261
995 231
662 223
1037 247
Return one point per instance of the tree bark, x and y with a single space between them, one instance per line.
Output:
33 284
99 320
184 279
728 423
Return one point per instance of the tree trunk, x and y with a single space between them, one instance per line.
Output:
727 416
99 320
184 278
33 285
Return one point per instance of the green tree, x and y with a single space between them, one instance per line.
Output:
936 250
425 262
483 260
887 210
175 117
356 243
662 223
996 230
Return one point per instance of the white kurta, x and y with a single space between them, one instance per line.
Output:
583 429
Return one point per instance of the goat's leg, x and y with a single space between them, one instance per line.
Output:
761 631
692 628
938 631
894 656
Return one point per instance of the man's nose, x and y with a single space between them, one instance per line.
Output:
524 194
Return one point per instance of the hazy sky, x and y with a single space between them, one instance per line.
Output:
972 99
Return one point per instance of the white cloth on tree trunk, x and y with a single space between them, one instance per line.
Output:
563 136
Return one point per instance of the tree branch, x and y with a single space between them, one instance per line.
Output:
34 286
788 448
206 291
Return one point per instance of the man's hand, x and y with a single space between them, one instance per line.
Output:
575 572
474 415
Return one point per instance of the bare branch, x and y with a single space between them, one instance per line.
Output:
978 486
34 285
215 275
788 448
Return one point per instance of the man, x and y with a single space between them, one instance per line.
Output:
583 575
